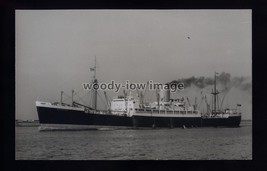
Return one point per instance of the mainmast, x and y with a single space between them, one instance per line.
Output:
215 92
95 82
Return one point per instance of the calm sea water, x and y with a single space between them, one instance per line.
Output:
147 144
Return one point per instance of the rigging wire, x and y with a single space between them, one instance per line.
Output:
102 99
68 97
82 98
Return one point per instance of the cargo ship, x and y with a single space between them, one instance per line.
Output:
129 112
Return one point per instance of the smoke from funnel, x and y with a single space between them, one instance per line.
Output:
235 89
224 80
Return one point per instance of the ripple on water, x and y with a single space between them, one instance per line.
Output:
162 144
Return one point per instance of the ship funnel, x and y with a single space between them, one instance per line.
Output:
164 95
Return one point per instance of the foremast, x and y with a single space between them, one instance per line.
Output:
95 82
214 93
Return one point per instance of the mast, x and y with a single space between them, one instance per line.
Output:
212 100
208 106
218 107
215 92
157 91
72 93
61 94
142 99
195 106
95 91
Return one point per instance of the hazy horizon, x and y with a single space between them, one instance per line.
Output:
55 50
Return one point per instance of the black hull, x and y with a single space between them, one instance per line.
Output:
232 121
61 116
145 121
72 117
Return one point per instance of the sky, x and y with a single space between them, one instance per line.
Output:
55 49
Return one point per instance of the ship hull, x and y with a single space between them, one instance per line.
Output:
63 116
154 121
57 116
231 121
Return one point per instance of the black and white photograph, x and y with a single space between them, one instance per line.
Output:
151 84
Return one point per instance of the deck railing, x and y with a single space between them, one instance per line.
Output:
150 111
165 111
